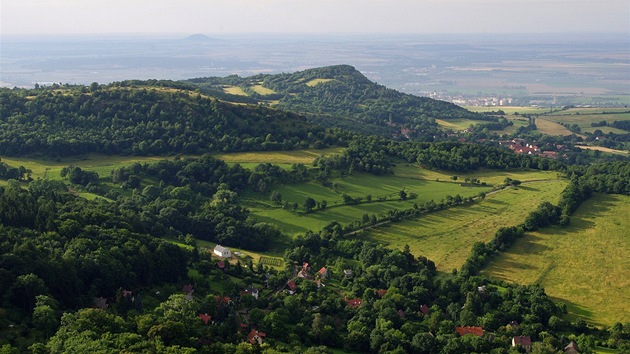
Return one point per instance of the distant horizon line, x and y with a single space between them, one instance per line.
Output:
293 34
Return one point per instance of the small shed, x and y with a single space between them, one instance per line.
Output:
222 252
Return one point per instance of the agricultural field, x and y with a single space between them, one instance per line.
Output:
291 157
456 124
261 90
550 127
446 237
585 265
101 164
604 149
583 117
235 90
491 177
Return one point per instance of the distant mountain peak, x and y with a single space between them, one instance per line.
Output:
198 37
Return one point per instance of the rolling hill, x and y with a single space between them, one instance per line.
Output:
341 96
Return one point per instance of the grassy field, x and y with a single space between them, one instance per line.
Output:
261 90
585 265
306 156
604 149
583 117
358 185
316 82
489 176
102 164
456 124
446 237
549 127
235 90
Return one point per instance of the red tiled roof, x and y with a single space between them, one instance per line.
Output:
251 337
221 264
381 292
291 285
424 309
476 331
354 303
204 317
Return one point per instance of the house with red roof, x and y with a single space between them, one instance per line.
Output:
424 309
322 273
204 317
353 303
291 287
256 336
475 331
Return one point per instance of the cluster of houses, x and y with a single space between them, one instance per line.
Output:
520 146
304 272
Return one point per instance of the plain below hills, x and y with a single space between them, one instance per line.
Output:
585 265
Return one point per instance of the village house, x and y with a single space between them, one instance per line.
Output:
256 337
475 331
353 303
424 309
523 341
204 317
222 252
347 273
322 273
291 287
251 291
571 348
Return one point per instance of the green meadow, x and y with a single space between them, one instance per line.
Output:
356 185
585 265
446 237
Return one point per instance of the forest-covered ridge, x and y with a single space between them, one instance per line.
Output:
152 119
341 96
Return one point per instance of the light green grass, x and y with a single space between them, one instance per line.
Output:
102 164
585 265
261 90
583 117
446 237
489 176
358 185
235 90
457 124
316 82
306 156
546 126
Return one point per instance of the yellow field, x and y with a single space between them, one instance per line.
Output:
604 149
585 265
278 157
261 90
492 177
235 90
316 82
102 164
446 237
551 128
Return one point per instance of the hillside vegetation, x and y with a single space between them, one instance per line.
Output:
117 119
341 96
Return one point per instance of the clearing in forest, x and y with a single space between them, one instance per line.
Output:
446 237
585 265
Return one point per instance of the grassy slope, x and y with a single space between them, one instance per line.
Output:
358 185
585 265
447 236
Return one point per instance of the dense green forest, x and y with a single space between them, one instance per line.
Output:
131 269
340 96
116 119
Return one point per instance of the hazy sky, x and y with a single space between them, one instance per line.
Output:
312 16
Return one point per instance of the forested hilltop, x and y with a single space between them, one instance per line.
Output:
340 96
124 119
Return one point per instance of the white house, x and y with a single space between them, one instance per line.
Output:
222 252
